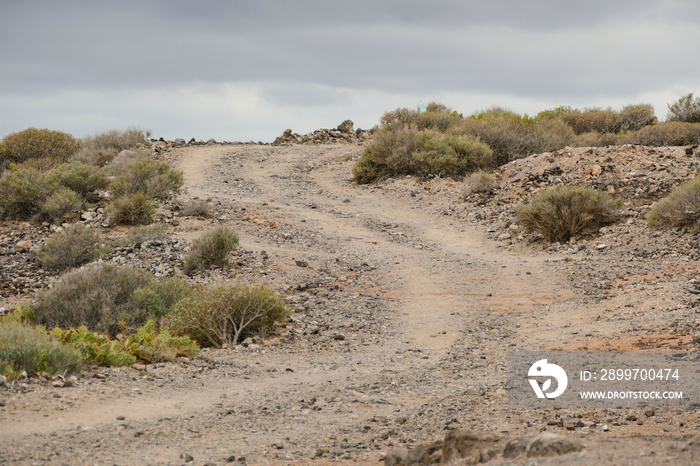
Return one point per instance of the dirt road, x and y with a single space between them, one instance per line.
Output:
404 315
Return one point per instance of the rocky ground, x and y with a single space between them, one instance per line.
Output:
407 296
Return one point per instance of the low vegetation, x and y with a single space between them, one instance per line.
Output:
396 151
562 212
680 209
478 182
25 348
148 177
76 245
135 210
107 299
225 314
81 178
149 344
408 151
686 109
211 249
102 148
33 143
22 193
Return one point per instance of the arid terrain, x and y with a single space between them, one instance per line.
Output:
407 298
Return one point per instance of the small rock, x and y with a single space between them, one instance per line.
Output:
548 444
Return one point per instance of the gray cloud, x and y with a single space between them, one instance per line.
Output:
319 54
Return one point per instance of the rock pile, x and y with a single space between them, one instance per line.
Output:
345 132
464 447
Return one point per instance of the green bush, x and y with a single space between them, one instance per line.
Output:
211 249
680 209
149 344
150 177
223 315
406 151
106 298
60 203
83 179
76 245
562 212
672 133
22 193
135 210
40 143
686 109
27 348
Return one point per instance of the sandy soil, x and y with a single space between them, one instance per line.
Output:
403 321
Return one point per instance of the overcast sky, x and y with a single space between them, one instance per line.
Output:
242 70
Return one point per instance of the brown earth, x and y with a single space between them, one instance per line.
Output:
407 300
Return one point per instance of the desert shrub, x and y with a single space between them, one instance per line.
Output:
40 143
59 204
84 179
224 314
680 209
672 133
554 112
478 182
406 151
554 134
143 233
590 139
150 177
135 210
686 109
509 135
211 249
399 117
196 208
562 212
149 344
74 246
106 298
593 119
635 117
27 348
124 158
116 140
22 193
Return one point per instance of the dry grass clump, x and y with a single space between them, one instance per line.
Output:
196 208
680 209
562 212
100 149
225 314
107 298
76 245
135 210
144 233
33 143
478 182
211 249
